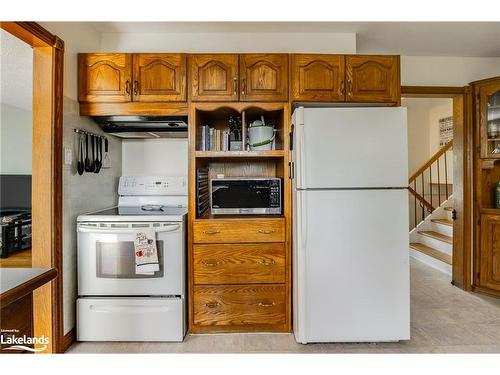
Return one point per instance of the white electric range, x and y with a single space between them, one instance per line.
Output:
115 303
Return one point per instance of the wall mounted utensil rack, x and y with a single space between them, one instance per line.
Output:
84 132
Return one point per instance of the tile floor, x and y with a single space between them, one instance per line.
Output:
444 319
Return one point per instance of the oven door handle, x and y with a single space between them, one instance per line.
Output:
166 228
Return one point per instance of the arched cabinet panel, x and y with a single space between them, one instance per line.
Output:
264 77
214 77
159 77
318 77
104 77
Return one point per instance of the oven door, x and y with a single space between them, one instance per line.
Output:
106 260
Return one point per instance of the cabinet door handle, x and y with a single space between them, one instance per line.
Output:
349 87
136 87
211 263
235 86
267 304
212 305
270 262
243 86
267 231
211 231
127 87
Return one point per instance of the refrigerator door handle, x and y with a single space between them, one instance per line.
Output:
301 154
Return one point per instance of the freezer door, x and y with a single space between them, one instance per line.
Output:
351 267
350 147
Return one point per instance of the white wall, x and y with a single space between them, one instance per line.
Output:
423 127
229 42
16 129
446 70
16 98
155 157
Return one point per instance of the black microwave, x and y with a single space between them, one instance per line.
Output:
246 196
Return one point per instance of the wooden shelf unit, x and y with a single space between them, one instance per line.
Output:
218 300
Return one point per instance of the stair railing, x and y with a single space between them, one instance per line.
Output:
424 200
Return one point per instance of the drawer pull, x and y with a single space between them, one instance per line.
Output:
270 262
267 304
267 231
212 305
211 231
211 263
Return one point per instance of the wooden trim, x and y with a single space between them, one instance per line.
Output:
134 108
67 340
428 163
28 287
33 34
48 62
431 91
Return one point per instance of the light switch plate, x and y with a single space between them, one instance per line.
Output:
68 156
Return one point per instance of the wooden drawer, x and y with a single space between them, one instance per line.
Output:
239 305
239 264
240 231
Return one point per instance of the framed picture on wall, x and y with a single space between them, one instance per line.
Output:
445 130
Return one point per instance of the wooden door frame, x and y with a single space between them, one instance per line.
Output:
462 195
48 60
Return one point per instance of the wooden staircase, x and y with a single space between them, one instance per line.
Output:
431 210
432 240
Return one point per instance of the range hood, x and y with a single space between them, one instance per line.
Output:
140 127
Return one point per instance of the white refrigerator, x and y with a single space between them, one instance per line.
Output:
350 236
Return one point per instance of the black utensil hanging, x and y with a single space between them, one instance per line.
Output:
80 167
98 154
87 159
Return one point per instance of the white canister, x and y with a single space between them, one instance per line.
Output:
261 137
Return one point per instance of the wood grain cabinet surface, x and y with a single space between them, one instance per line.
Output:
214 77
104 77
239 264
239 231
17 321
490 252
264 77
318 78
373 79
159 77
236 306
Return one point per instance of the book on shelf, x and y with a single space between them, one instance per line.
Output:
213 139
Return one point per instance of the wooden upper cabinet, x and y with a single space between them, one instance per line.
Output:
373 79
214 77
264 77
159 77
104 77
490 252
317 78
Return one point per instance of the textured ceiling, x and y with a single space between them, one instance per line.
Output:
404 38
16 72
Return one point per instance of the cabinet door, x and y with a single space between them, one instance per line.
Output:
159 77
214 77
318 78
490 252
489 119
264 77
104 77
373 79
